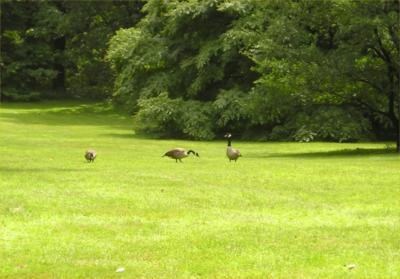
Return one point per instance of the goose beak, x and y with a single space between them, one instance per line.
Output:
197 154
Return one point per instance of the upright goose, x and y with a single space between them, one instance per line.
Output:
231 153
179 153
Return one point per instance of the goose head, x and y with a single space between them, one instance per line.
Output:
228 135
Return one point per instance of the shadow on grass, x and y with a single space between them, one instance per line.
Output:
342 153
52 169
57 105
131 135
128 135
92 114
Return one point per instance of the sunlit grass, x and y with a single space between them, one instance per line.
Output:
284 210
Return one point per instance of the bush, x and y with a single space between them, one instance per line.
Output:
159 116
162 116
13 94
230 107
339 124
324 123
198 120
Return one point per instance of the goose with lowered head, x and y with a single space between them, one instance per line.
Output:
179 154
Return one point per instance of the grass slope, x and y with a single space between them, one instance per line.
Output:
284 210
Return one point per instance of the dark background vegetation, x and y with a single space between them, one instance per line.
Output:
275 70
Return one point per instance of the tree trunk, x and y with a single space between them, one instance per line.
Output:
398 132
398 114
59 45
392 108
397 28
59 81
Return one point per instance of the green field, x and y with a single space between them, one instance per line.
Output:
284 210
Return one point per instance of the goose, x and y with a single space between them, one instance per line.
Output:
90 155
179 153
231 153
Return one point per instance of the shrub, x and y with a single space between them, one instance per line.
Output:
230 107
159 116
13 94
339 124
197 120
324 123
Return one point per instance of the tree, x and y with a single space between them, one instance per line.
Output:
260 69
172 54
342 53
90 25
29 60
50 48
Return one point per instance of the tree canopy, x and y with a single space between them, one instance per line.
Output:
279 70
56 48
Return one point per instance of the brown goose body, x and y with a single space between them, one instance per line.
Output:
90 155
231 153
179 154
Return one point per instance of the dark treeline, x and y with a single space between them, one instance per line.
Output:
56 48
279 70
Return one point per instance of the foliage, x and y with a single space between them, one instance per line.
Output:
335 53
328 123
198 120
265 64
57 47
165 117
261 69
159 115
231 109
174 51
27 58
338 124
91 26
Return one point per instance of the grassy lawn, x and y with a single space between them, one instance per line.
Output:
284 210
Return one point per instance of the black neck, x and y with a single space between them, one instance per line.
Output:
229 142
191 151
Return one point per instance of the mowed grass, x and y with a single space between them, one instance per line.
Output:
284 210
